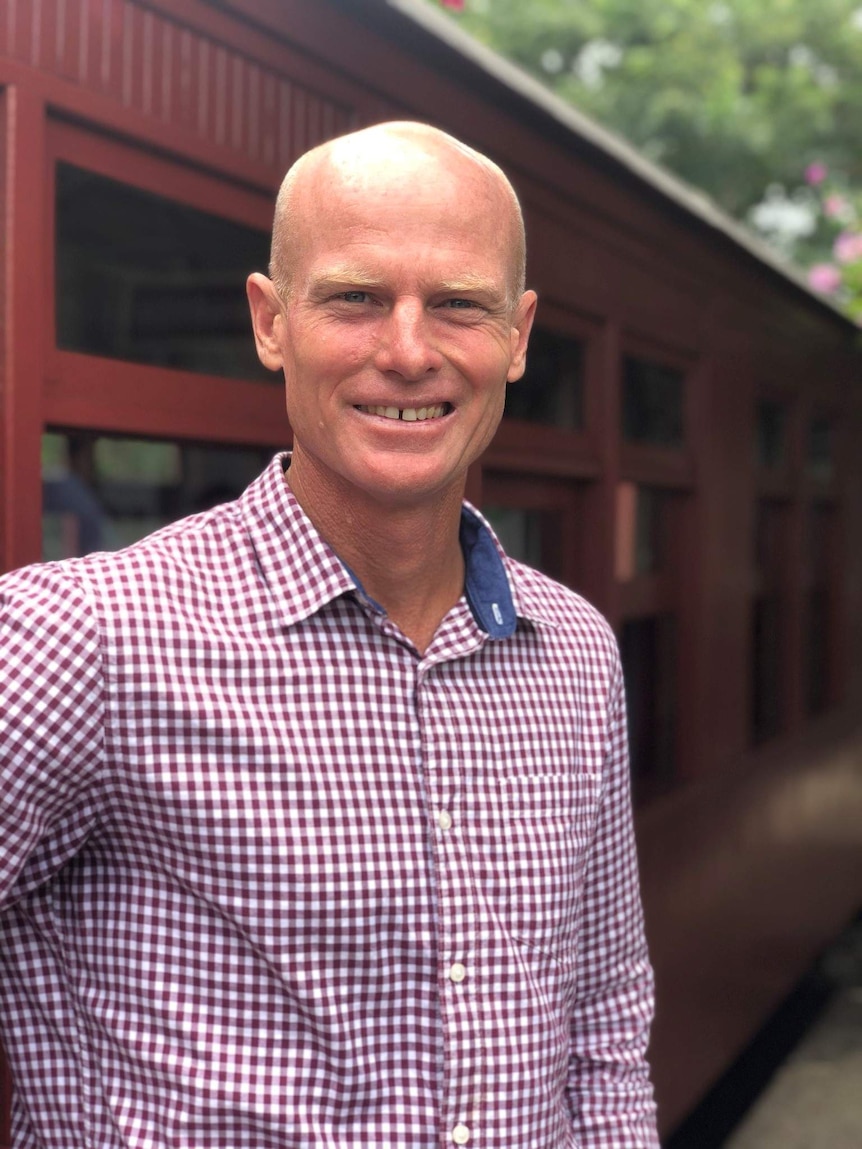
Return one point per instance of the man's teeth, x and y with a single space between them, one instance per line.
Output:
408 414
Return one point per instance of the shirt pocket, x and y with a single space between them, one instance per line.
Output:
550 823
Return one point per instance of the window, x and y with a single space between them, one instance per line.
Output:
538 520
771 434
769 621
642 530
820 610
652 403
146 279
649 657
648 554
103 492
552 388
820 454
520 531
149 258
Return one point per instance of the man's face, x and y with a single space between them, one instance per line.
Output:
398 335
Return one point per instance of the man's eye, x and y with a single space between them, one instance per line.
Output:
354 296
460 304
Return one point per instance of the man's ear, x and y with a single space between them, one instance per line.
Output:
522 324
265 305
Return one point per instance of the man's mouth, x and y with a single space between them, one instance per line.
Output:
408 414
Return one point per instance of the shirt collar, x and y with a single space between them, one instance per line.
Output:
304 573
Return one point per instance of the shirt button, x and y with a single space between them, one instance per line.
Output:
457 971
460 1134
445 820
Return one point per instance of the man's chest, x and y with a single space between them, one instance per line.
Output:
335 781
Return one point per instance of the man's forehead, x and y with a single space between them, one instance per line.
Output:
365 206
397 160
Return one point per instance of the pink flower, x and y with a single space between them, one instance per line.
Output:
816 173
848 247
825 278
458 5
836 207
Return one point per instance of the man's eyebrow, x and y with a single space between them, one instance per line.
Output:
343 276
469 284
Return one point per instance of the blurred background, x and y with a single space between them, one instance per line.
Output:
684 449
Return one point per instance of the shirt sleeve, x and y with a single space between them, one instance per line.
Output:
609 1086
51 720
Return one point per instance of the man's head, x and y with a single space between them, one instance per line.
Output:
405 147
396 311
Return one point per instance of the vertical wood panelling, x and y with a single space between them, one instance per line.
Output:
283 140
182 99
27 17
22 265
269 120
161 69
203 104
84 27
147 64
125 76
6 488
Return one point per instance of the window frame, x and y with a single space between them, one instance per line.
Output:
541 449
94 392
668 595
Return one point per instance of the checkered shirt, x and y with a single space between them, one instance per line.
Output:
271 878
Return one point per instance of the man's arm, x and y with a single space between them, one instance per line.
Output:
51 732
609 1086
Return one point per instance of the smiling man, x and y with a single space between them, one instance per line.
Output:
315 825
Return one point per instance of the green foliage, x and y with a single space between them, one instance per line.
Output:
732 95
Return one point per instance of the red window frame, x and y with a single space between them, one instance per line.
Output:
91 391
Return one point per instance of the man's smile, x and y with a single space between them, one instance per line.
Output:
408 414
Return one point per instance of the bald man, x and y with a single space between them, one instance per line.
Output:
316 827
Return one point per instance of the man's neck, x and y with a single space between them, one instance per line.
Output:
407 557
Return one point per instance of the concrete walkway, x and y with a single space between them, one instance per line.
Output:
814 1101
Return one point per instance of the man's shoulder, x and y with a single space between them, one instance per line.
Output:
543 599
203 549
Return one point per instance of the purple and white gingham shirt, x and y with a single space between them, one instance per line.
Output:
273 880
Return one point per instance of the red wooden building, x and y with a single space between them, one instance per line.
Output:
684 449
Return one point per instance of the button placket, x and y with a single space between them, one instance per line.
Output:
443 766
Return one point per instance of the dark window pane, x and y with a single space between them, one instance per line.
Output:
102 493
818 649
650 530
552 389
821 526
820 614
642 530
771 433
769 621
820 449
143 278
766 685
533 537
648 650
769 520
652 403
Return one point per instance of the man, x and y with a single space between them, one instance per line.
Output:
316 823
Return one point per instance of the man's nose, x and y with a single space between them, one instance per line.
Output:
407 344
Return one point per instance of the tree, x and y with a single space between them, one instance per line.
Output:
735 96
